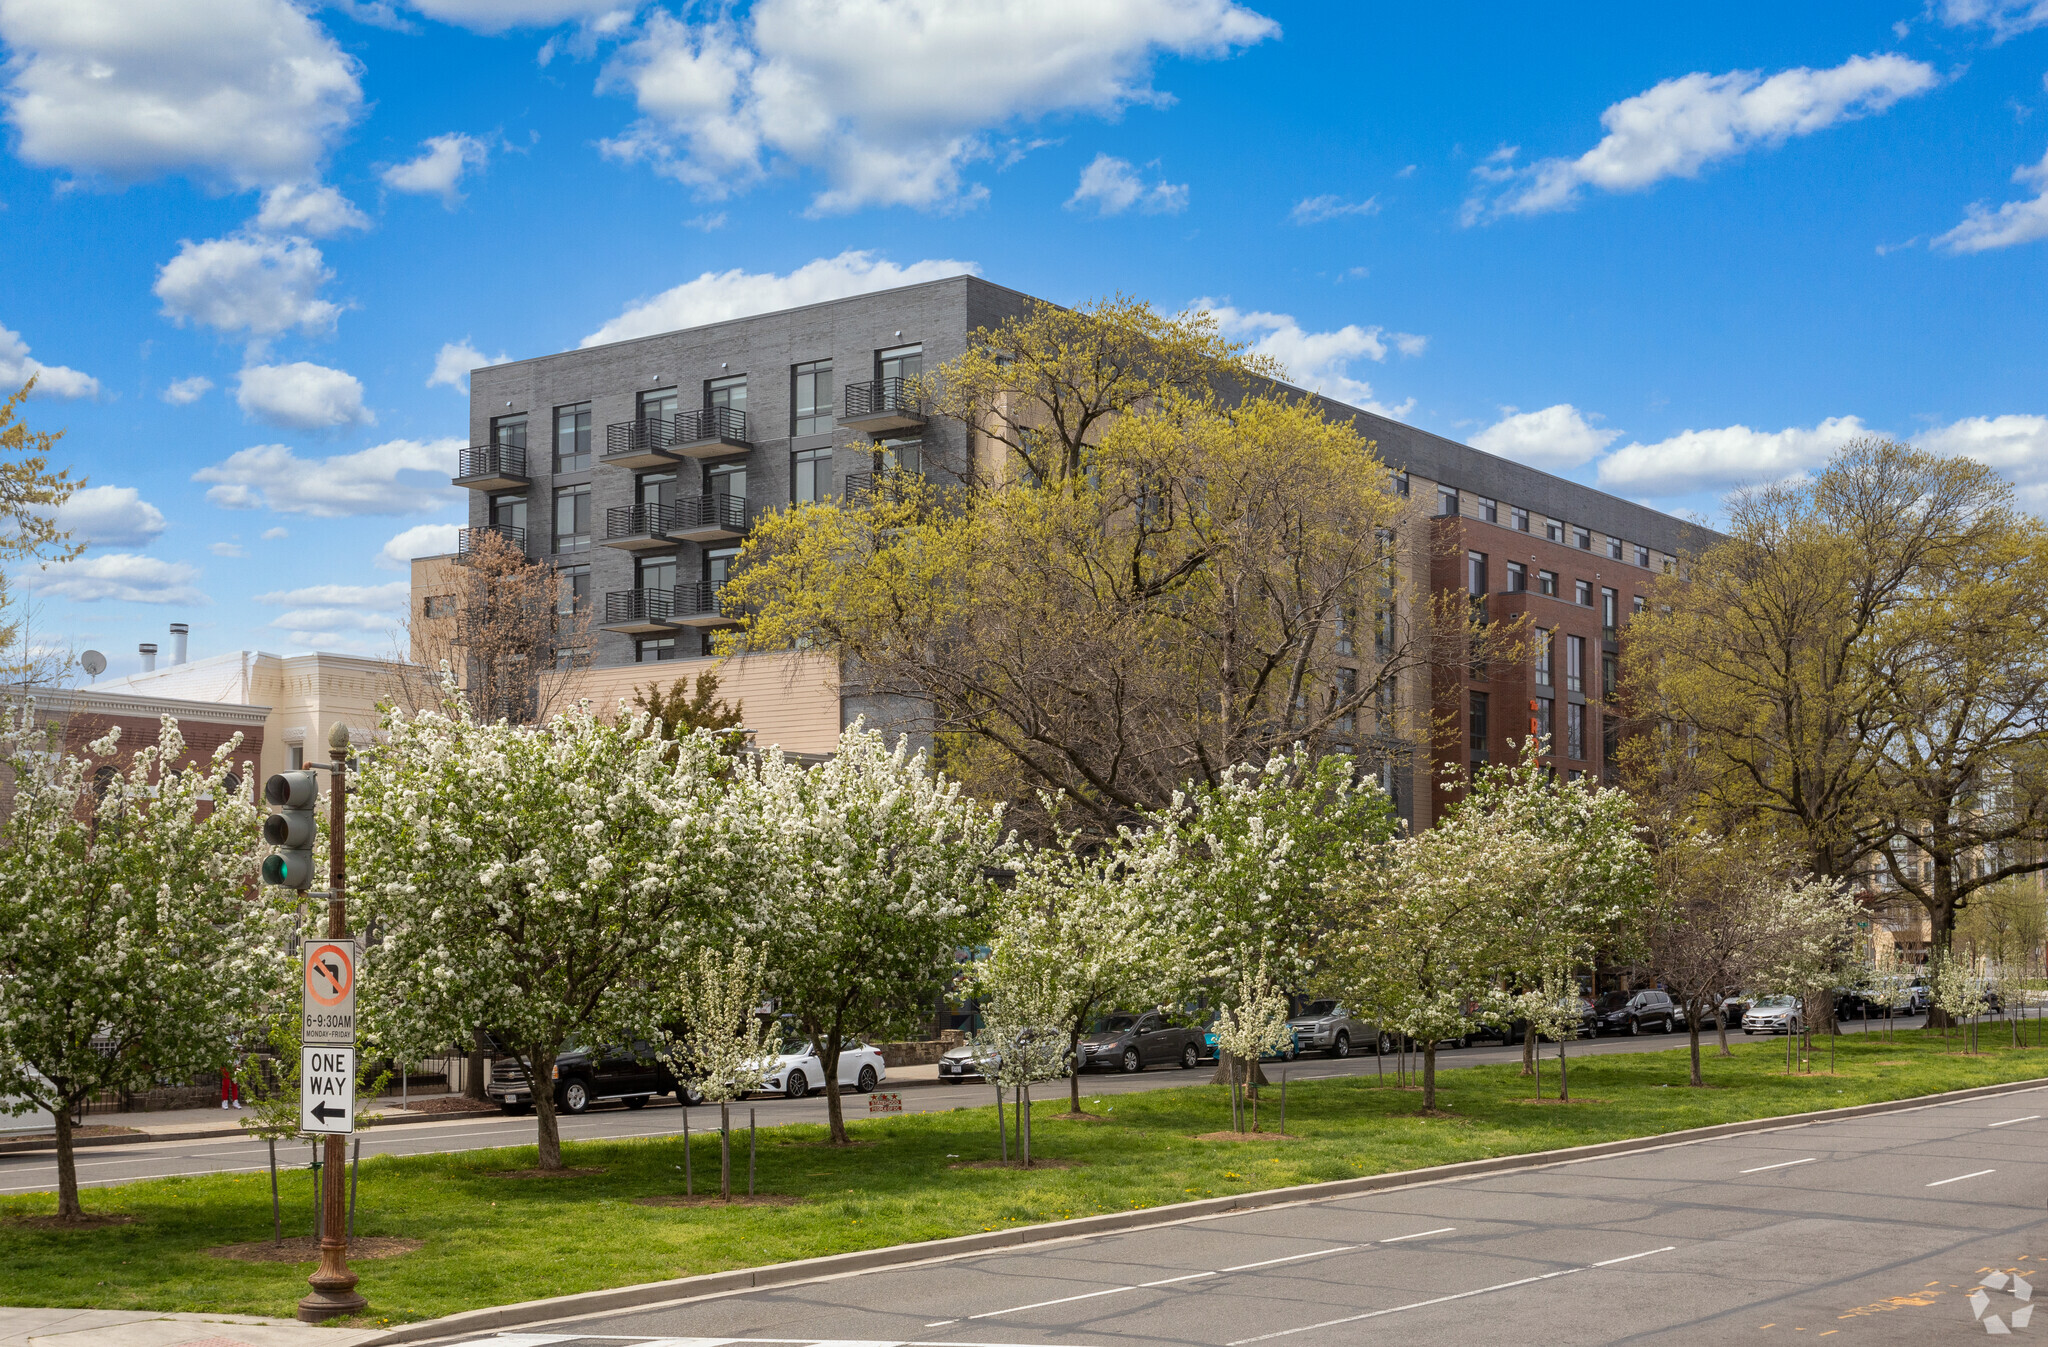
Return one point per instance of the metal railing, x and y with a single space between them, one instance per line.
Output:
653 520
468 540
721 510
491 460
697 600
878 397
640 605
890 484
657 433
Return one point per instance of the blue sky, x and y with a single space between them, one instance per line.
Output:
253 244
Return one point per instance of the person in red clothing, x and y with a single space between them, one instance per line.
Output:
230 1092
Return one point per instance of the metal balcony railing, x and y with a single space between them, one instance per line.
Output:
890 484
697 600
659 433
639 521
491 460
639 605
709 423
882 397
723 511
468 540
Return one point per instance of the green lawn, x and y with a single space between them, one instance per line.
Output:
489 1239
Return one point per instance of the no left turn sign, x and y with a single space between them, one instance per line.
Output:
330 986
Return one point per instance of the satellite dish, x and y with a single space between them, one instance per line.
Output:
93 662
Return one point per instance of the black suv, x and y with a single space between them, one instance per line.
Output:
1634 1012
630 1076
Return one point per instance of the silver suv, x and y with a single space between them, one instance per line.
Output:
1326 1026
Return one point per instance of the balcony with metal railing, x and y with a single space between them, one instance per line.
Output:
640 528
699 606
640 612
470 541
719 517
882 404
890 484
657 441
492 467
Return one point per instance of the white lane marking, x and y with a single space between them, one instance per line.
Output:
1041 1304
1290 1258
1783 1165
1169 1281
2031 1117
1960 1177
1444 1300
1443 1230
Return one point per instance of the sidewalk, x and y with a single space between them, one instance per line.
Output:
142 1328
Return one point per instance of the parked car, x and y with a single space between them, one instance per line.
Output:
1725 1010
1326 1026
797 1069
958 1065
583 1077
1774 1015
1286 1054
1128 1042
1633 1012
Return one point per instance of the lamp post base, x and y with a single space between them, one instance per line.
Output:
321 1306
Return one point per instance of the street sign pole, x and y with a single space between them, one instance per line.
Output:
334 1286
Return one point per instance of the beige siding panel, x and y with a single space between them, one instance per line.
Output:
788 700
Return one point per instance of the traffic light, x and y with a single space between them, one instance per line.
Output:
290 829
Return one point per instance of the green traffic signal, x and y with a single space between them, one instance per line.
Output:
291 829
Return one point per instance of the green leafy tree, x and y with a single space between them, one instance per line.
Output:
682 708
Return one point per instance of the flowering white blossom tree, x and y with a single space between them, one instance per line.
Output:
134 945
1811 920
539 881
1024 998
1252 1024
726 1048
862 872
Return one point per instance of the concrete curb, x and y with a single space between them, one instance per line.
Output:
681 1289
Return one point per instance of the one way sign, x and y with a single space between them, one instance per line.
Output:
327 1089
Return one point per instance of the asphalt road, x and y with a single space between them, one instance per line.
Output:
1876 1230
102 1166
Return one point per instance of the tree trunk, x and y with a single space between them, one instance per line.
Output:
547 1128
473 1076
1564 1077
1529 1054
1244 1072
830 1060
67 1166
1024 1120
1074 1069
1692 1031
1429 1076
1721 1028
725 1149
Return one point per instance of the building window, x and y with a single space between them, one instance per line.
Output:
729 392
1543 669
654 649
1614 548
574 596
509 431
810 398
899 362
716 565
658 404
1553 531
295 758
899 456
572 438
1347 688
1583 594
1447 500
1639 604
1610 677
1574 664
1575 731
1582 539
1476 728
1347 625
1518 518
726 481
810 475
1400 485
572 518
569 657
1610 743
438 605
1475 573
1518 577
1643 556
1542 725
1610 612
1489 510
1546 583
508 512
655 488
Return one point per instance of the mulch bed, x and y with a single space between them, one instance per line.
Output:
713 1200
306 1249
1036 1163
542 1173
1247 1136
89 1221
453 1103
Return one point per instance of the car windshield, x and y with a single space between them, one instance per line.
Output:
1317 1009
1114 1024
1773 1002
1614 1000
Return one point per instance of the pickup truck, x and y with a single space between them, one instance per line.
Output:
583 1077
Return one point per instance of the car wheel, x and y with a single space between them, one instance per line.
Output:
866 1083
1635 1027
1131 1061
1462 1041
1749 1031
797 1086
1190 1057
689 1096
1386 1045
638 1101
575 1097
951 1080
1342 1047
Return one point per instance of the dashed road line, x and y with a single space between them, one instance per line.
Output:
1960 1177
1787 1164
2031 1117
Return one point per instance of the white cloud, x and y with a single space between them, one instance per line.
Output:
374 597
271 535
1560 436
421 540
185 392
302 395
2014 222
262 286
495 16
1316 209
718 295
52 381
439 168
455 360
1681 125
1729 456
2005 18
724 101
230 550
1317 361
397 477
2016 445
110 516
308 208
1112 186
125 576
335 616
243 92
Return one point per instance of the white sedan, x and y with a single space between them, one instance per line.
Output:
800 1070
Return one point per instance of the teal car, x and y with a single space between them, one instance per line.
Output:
1287 1054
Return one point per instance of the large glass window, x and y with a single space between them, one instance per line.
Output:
1582 594
810 475
1347 688
1475 573
717 563
1543 667
572 518
654 649
810 398
1582 539
904 455
1476 727
655 488
1543 723
1642 556
1489 510
508 512
654 573
574 596
1610 610
1447 500
1610 676
509 431
1518 577
899 362
1574 664
1347 626
730 391
1614 548
658 404
727 481
1575 731
572 438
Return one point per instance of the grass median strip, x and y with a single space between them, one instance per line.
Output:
488 1239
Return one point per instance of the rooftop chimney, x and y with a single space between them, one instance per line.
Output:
148 649
178 633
